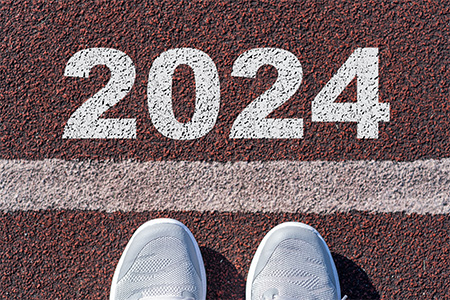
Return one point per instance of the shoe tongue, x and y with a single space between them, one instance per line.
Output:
273 294
276 297
270 294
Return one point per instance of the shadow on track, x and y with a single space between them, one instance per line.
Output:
224 281
354 281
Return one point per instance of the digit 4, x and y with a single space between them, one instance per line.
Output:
367 111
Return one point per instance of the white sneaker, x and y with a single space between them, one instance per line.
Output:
162 260
293 262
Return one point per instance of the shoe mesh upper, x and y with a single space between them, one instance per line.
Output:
162 268
296 270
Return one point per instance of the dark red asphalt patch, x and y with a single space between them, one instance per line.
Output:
73 254
39 37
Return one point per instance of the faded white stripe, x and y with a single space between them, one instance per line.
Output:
421 186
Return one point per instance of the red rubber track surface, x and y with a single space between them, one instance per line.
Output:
73 254
39 37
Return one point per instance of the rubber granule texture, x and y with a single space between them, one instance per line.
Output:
39 37
73 254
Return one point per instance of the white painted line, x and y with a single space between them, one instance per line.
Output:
421 186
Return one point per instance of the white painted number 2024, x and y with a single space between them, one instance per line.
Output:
251 123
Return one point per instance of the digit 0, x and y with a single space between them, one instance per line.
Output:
207 98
